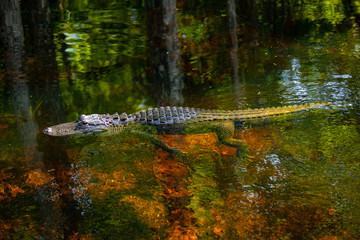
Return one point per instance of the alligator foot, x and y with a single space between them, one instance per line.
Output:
181 157
232 142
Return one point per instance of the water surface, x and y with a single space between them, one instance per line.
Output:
295 178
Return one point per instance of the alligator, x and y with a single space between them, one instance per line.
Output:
172 120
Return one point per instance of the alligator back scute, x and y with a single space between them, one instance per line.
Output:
167 115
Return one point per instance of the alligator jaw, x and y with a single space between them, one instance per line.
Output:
64 129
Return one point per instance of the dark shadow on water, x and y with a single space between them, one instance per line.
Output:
31 77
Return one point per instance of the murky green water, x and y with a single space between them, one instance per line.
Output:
297 178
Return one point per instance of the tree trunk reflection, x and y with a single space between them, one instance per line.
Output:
164 71
22 51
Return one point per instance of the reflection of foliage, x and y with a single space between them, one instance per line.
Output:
34 111
205 154
152 212
106 175
109 220
7 190
256 139
204 191
237 217
107 165
9 115
317 21
331 11
322 176
106 172
195 143
103 60
19 213
116 88
99 184
338 144
36 178
280 15
23 227
197 34
195 31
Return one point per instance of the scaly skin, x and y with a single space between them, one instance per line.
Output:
171 120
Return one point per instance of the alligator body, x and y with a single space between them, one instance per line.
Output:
171 120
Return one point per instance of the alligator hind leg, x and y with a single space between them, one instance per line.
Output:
225 131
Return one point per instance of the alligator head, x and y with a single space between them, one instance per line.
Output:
64 129
86 124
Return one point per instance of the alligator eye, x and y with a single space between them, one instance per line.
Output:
48 130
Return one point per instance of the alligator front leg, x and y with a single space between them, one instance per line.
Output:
157 142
